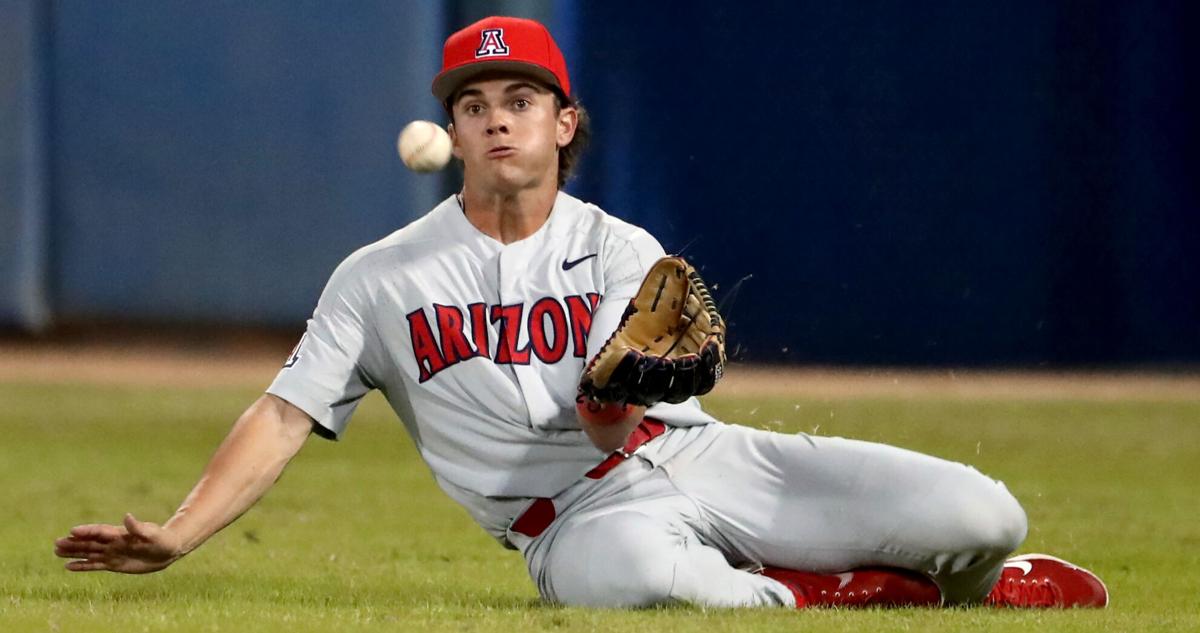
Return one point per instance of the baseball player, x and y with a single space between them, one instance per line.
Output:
545 358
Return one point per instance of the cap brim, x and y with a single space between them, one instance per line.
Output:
447 82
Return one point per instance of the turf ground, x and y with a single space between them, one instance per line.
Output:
357 537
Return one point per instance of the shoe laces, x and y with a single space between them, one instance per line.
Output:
1025 592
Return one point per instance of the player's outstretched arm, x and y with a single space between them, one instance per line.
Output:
248 462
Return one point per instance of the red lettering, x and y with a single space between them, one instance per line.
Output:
479 329
510 324
581 320
546 351
550 328
429 359
450 326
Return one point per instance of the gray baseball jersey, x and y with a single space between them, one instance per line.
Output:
478 346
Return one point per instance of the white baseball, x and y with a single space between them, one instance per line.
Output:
424 146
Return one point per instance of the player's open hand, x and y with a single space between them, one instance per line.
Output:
137 547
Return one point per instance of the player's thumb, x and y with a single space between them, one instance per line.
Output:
137 528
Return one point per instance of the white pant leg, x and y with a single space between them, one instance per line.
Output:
830 504
638 548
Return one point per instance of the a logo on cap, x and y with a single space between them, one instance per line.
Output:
492 44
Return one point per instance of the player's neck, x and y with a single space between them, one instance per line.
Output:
508 217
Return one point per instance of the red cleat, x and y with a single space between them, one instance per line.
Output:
865 587
1038 580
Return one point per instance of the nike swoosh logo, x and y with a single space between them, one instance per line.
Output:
569 264
1024 566
844 579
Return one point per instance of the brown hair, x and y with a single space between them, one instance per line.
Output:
568 156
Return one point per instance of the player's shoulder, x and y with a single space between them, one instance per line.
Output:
586 217
402 245
421 232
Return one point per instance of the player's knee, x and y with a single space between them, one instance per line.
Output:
624 559
995 520
1011 523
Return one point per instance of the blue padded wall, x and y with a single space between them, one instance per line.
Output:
214 163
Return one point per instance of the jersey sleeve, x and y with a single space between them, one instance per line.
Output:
327 374
626 263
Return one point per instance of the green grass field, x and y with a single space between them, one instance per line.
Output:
357 537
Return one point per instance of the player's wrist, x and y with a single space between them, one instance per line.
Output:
179 539
601 413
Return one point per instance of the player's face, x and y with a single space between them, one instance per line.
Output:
507 131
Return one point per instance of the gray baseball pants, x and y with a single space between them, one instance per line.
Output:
689 528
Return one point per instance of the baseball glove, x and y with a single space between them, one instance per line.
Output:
669 346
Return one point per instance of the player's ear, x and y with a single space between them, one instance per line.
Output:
568 121
454 141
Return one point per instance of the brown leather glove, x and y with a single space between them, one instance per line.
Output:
669 346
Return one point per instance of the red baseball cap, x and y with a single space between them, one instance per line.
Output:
501 43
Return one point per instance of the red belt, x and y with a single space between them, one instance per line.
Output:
540 514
